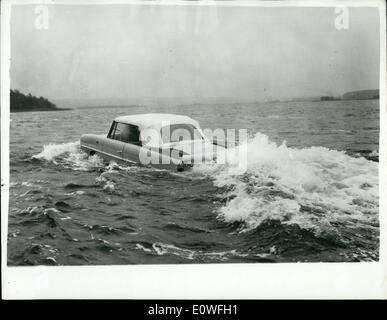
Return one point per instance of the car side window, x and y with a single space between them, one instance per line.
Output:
125 132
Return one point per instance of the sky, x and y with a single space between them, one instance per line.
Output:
194 53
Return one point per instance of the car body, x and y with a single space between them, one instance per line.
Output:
166 141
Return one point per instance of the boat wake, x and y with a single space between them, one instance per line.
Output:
69 155
315 188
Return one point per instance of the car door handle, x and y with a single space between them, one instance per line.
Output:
119 151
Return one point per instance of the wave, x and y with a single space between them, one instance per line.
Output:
36 253
70 156
161 249
51 151
315 188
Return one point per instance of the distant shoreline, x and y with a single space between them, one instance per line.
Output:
28 103
39 109
20 102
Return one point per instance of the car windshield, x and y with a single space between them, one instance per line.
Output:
180 132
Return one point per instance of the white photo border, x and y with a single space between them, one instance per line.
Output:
356 280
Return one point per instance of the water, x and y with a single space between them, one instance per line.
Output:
313 198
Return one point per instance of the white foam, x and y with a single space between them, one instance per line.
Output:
81 161
141 247
75 193
27 184
70 155
279 183
51 151
374 153
163 248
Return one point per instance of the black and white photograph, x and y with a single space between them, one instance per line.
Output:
190 133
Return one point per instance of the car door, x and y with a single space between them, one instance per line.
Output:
114 146
133 144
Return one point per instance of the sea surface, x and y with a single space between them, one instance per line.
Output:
310 191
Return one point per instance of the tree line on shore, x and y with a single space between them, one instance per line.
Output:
22 102
354 95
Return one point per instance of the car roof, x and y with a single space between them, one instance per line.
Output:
155 120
